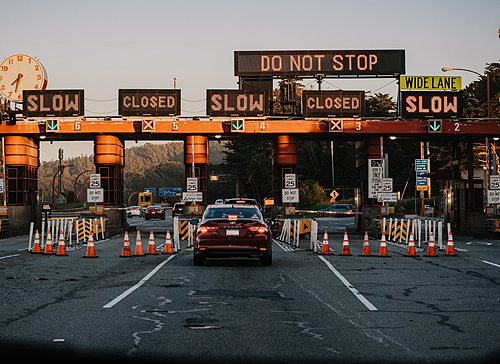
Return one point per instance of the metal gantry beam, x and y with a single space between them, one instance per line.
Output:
177 128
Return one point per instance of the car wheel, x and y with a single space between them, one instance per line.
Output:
198 258
267 259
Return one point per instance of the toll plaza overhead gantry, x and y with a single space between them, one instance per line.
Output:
109 133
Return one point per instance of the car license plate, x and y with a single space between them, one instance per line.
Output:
232 232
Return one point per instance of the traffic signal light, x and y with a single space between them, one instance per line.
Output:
12 118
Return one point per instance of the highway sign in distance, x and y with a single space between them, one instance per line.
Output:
151 190
192 184
170 192
95 180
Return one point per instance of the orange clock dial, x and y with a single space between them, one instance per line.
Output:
20 72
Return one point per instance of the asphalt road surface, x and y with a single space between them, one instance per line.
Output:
304 308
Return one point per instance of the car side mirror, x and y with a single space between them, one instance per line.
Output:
194 222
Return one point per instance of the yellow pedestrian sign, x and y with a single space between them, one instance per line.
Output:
334 194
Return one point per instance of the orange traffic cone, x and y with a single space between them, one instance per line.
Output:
151 245
450 248
138 245
49 249
325 248
36 246
345 246
90 248
126 247
383 247
366 247
168 249
61 248
431 249
411 247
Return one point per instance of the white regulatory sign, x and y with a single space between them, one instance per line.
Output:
290 195
493 197
192 184
95 181
495 182
386 185
290 180
192 197
387 197
95 195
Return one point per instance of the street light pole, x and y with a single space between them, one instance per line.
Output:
447 69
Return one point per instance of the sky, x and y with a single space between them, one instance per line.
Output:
102 46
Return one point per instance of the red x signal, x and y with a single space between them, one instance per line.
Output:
336 126
148 126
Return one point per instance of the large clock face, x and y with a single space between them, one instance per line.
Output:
20 72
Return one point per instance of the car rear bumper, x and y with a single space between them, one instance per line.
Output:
232 251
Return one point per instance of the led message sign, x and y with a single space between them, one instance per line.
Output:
430 82
428 104
149 102
58 103
237 103
333 103
359 63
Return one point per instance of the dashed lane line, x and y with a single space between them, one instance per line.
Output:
140 283
490 263
356 293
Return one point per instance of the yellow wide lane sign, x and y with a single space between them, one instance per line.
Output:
430 82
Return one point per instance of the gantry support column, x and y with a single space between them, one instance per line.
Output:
109 162
196 149
21 168
368 149
285 159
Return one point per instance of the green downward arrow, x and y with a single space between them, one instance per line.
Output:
237 125
52 124
436 126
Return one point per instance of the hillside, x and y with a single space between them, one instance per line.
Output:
149 165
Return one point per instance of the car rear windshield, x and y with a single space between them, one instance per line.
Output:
240 212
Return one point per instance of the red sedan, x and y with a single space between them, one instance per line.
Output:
232 231
154 212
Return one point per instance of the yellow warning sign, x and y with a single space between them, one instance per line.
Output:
334 194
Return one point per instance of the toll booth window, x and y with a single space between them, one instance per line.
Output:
22 184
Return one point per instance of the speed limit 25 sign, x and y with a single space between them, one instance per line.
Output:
95 181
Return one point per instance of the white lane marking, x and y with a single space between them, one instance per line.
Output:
284 246
141 282
9 256
358 295
490 263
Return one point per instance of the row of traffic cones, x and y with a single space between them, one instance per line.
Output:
61 247
126 251
431 250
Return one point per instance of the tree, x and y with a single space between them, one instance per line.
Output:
379 105
249 161
311 193
475 94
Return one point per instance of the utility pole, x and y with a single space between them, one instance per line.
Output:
60 175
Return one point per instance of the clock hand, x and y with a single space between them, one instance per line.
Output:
18 80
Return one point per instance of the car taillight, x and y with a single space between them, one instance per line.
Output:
258 229
206 229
